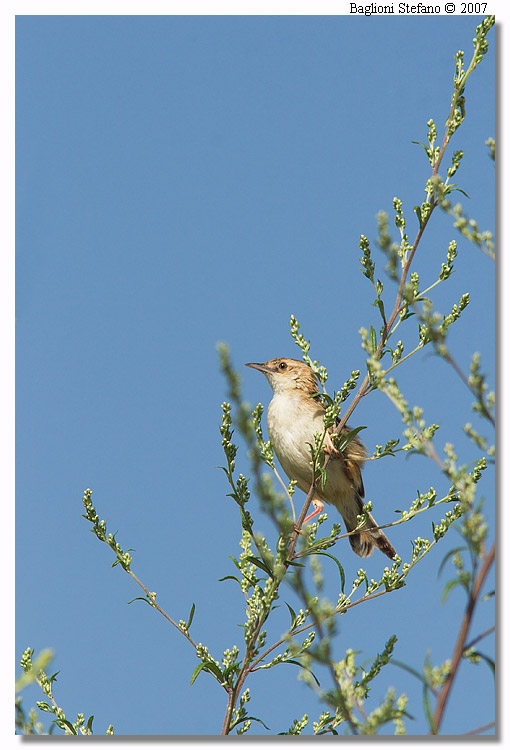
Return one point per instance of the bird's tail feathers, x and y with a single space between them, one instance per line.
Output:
363 542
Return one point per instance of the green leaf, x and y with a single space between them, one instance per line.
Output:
235 561
332 557
325 398
196 672
260 564
419 143
428 710
407 315
249 718
67 724
232 668
455 189
246 520
209 666
488 661
142 599
230 578
409 669
450 585
191 614
292 615
323 543
373 339
89 723
380 304
343 440
449 554
298 663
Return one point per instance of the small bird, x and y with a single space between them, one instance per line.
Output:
294 415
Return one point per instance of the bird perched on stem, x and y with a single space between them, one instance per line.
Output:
294 416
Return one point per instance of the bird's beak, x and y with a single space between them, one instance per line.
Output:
257 366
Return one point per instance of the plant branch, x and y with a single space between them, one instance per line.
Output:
461 639
479 730
479 638
448 357
152 600
228 712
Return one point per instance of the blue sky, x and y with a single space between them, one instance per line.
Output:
188 180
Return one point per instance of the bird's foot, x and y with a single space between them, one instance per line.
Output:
328 446
318 508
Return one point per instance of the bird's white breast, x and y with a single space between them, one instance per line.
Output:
292 421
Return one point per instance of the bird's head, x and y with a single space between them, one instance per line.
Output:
285 374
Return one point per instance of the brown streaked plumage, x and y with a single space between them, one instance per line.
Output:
293 417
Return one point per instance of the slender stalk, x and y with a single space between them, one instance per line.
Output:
396 364
152 599
479 638
228 712
448 357
243 674
479 730
460 644
407 518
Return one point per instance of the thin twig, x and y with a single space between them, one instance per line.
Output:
286 492
479 638
461 639
408 517
479 730
152 600
448 357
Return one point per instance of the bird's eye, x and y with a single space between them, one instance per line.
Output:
282 365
